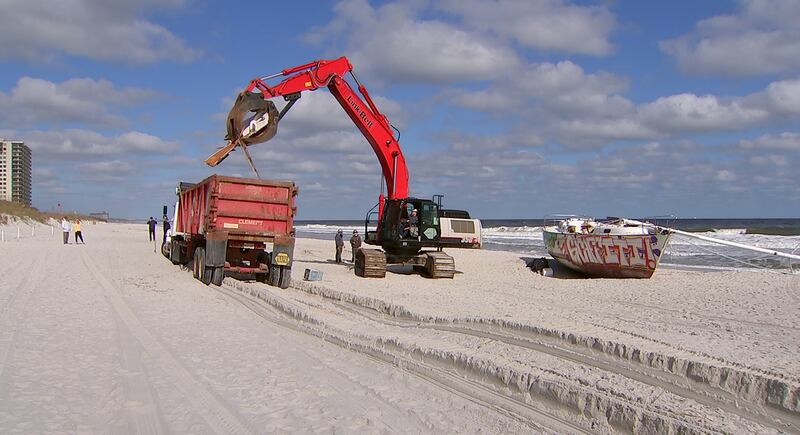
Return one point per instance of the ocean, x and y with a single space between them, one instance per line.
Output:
525 237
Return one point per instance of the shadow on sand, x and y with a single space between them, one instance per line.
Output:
559 271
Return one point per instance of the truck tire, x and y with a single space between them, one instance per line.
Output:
286 277
217 275
274 277
195 267
203 272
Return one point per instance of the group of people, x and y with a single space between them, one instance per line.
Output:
75 227
355 243
151 226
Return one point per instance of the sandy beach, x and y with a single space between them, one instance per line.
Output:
111 337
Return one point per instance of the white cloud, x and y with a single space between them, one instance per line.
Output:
562 102
564 87
786 141
784 96
700 113
390 43
41 31
107 171
725 175
35 101
315 111
110 167
79 144
762 37
547 24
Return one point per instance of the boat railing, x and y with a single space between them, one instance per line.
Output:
553 220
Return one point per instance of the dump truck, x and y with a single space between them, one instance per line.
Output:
232 225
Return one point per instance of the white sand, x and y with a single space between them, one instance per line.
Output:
111 337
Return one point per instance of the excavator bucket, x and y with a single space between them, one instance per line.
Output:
252 120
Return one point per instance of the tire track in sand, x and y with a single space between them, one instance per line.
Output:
11 316
395 419
214 412
472 391
703 391
656 378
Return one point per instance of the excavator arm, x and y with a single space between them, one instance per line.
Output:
262 126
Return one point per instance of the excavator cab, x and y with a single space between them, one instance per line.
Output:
409 232
410 219
407 226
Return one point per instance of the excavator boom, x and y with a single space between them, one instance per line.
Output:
308 77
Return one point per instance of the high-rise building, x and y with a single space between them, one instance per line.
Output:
15 171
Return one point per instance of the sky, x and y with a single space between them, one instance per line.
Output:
510 108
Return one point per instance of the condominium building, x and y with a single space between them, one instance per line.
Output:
15 171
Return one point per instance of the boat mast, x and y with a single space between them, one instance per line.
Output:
719 241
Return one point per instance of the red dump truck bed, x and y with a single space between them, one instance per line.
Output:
235 225
244 208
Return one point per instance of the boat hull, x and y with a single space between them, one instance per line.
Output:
607 256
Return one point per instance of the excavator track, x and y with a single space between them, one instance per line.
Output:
370 263
439 265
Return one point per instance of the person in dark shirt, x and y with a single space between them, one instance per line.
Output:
339 245
355 243
151 225
413 222
167 226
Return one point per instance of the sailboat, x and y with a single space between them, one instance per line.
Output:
612 248
619 247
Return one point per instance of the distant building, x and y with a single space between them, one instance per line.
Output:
101 215
15 171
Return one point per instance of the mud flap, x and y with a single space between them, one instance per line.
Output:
216 248
175 251
283 251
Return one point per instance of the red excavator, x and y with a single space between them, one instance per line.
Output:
410 230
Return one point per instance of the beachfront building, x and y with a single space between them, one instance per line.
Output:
15 171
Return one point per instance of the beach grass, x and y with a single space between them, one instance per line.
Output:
10 211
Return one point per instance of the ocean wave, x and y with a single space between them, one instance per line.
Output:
328 229
682 250
730 231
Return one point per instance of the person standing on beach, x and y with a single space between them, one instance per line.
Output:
151 225
339 246
355 243
65 227
77 228
167 226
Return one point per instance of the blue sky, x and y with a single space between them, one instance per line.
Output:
511 108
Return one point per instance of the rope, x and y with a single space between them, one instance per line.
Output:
752 265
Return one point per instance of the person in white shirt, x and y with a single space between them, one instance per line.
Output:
65 226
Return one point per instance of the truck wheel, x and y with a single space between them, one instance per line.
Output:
195 266
274 278
217 275
203 272
286 277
